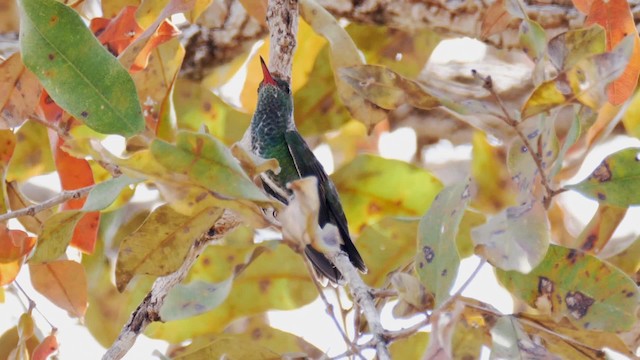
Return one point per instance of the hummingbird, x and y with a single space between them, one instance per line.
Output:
273 134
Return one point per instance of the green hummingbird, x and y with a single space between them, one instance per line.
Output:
273 134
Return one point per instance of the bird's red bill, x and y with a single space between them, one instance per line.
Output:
268 79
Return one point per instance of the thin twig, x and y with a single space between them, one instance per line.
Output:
56 200
32 305
328 306
149 309
461 289
510 121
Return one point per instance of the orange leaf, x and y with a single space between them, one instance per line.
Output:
74 174
583 5
9 271
48 346
117 33
19 92
63 282
616 18
166 31
14 244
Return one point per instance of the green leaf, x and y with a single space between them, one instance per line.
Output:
230 347
386 88
259 288
533 39
208 163
591 293
515 239
105 193
372 187
76 70
572 136
159 246
411 347
437 260
194 298
55 236
615 181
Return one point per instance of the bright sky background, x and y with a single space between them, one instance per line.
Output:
317 328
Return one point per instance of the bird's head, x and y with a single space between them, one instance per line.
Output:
272 85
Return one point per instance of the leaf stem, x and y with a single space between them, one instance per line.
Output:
32 305
511 122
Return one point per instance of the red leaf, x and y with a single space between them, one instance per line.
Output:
583 5
14 244
616 18
48 109
119 32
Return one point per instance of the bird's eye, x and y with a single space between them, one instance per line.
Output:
288 90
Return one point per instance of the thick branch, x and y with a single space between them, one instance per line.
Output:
56 200
149 310
362 295
282 18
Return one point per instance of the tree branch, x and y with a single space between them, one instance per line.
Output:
282 19
149 310
362 295
56 200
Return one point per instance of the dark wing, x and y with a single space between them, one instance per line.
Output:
330 206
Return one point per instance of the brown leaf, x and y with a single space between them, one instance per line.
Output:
19 92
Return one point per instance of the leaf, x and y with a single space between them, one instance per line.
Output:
118 32
515 239
616 18
318 107
627 260
384 187
592 294
510 341
109 103
135 56
411 347
19 92
614 181
495 20
55 236
18 201
48 346
442 333
9 341
597 233
391 242
257 9
32 155
231 348
344 53
490 176
404 52
196 106
159 246
7 146
284 287
412 296
570 139
14 244
9 271
194 298
585 82
385 88
569 48
63 282
105 193
437 260
533 39
75 173
208 163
